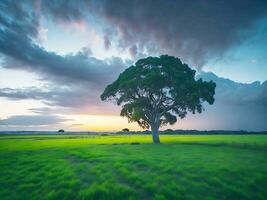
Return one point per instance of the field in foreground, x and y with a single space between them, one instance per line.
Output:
130 167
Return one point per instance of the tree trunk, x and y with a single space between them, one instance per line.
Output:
155 134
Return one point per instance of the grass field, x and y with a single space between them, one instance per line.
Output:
130 167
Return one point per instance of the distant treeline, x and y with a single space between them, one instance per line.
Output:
146 132
197 132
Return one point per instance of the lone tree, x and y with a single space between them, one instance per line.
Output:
156 90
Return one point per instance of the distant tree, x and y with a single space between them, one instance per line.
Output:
156 90
169 130
125 130
61 131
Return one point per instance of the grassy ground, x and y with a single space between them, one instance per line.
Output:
130 167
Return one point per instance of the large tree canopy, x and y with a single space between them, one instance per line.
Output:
156 90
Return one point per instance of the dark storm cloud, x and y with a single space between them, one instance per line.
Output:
19 18
193 30
196 31
65 10
31 120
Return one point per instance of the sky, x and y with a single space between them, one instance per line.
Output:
56 57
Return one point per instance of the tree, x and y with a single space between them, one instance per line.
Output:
125 130
155 90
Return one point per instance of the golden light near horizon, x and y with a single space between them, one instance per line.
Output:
101 123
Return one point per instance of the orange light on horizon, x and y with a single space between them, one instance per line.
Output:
101 123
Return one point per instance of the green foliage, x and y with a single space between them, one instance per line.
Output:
157 89
190 167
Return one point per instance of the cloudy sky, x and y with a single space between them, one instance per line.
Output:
56 57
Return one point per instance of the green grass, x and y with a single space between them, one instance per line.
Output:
130 167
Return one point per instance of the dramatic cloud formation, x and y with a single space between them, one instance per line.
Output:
195 31
237 106
233 93
80 76
20 27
